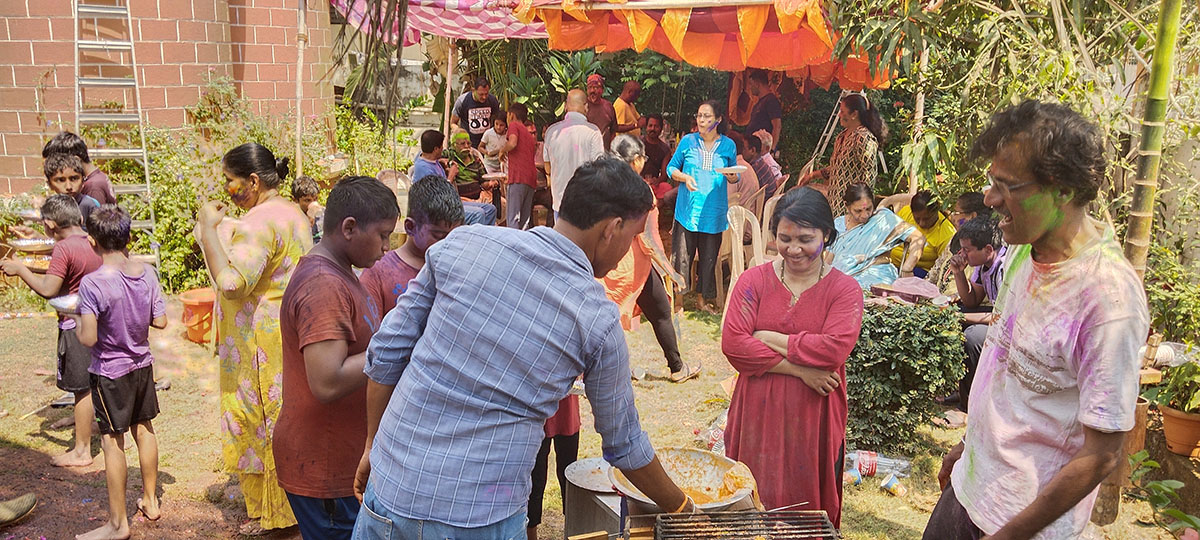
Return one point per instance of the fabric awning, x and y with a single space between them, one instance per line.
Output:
458 19
792 36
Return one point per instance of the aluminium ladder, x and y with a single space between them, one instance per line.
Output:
117 48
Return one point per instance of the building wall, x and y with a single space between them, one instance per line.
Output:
178 44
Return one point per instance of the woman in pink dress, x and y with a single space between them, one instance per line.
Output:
789 328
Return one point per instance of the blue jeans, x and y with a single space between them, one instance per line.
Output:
477 212
319 519
376 523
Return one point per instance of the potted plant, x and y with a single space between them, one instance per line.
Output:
1179 400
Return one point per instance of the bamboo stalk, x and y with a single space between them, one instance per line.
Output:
1145 184
301 44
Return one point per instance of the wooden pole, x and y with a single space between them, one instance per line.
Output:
451 59
918 115
1145 184
301 44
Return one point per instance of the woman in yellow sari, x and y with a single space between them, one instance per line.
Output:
250 276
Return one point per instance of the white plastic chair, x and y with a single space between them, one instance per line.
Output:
741 220
769 253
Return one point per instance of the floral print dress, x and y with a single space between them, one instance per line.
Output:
853 160
264 248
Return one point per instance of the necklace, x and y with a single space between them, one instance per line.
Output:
795 295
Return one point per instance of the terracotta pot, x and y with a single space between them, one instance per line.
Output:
1182 431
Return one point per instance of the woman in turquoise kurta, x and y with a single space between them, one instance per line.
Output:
866 236
702 204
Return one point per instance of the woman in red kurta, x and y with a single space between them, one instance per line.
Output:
789 328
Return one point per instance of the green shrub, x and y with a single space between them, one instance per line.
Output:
905 357
1173 291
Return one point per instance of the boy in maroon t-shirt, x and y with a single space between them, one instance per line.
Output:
72 258
327 320
434 210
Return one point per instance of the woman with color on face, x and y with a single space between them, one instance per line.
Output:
854 150
250 274
703 200
867 235
789 328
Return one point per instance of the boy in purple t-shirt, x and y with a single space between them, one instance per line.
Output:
71 259
118 303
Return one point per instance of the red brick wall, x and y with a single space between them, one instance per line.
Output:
178 43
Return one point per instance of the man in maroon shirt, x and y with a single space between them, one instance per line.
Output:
600 111
326 321
95 182
433 211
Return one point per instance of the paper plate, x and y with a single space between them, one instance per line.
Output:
735 169
495 176
66 304
591 474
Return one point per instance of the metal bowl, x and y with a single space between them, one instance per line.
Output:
700 473
33 245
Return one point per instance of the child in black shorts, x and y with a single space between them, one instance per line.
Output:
71 259
118 303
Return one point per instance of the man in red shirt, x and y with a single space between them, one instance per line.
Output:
326 320
433 211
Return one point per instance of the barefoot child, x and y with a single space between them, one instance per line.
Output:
118 303
71 259
433 211
326 321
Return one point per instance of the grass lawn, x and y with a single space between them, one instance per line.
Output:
199 501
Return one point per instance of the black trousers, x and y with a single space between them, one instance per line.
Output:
703 246
566 450
950 520
656 305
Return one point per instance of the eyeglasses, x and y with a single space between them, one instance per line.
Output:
1003 188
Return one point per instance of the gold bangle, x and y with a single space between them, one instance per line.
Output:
683 505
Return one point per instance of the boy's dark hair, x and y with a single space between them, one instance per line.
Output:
499 115
924 200
431 139
604 188
363 198
520 111
109 226
433 200
57 162
304 186
759 75
253 158
66 143
805 207
63 211
481 82
972 202
1059 146
752 141
981 231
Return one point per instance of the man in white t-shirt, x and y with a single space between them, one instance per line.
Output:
1057 381
569 144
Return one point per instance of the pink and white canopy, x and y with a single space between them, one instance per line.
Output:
458 19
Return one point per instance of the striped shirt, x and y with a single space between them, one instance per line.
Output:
481 347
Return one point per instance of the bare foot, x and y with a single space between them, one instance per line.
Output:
149 509
108 531
64 422
74 458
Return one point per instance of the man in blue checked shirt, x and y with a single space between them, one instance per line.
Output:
478 352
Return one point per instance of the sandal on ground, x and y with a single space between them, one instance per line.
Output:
688 372
142 510
14 510
252 528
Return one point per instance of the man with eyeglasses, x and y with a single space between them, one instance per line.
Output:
1057 381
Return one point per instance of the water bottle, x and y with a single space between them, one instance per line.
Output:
870 463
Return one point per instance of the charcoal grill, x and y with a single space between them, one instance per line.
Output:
780 525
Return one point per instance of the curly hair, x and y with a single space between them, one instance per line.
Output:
1060 147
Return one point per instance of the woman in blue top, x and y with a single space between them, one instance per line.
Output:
700 209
